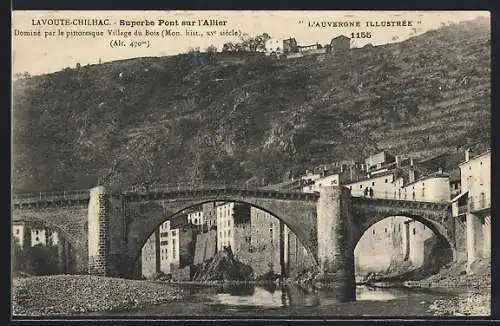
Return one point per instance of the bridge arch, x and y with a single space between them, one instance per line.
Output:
437 228
145 229
76 247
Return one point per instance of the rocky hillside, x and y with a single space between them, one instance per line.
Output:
227 117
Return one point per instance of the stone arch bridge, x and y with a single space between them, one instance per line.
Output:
110 228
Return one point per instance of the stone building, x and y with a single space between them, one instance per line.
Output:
381 245
33 233
210 215
267 245
168 248
340 44
474 203
393 241
196 217
150 252
434 187
290 45
20 234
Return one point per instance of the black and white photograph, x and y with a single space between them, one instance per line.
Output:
250 164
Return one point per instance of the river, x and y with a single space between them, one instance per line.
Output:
289 301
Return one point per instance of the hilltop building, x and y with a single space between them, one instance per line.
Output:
340 44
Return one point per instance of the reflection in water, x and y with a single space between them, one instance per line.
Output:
272 296
374 294
248 299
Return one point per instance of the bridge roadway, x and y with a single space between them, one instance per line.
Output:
78 197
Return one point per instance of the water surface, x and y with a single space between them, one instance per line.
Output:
253 301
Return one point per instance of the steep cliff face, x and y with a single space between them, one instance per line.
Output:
227 117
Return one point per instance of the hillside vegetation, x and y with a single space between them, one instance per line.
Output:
249 117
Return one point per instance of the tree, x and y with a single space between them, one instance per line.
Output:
17 257
211 49
248 44
228 47
40 260
254 44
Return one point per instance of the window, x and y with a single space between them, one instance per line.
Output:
229 233
174 233
36 232
17 231
399 227
373 231
373 183
360 186
37 239
385 230
414 231
385 180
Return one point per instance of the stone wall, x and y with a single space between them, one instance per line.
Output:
187 245
461 239
206 246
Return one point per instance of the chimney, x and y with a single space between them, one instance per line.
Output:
467 154
411 161
412 175
440 170
397 160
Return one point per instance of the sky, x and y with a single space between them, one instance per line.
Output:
40 55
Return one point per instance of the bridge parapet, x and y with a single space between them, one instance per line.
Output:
49 199
220 192
421 205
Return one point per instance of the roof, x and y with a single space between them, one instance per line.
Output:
446 161
378 175
488 151
457 197
341 36
430 176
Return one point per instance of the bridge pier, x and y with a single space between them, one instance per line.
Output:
474 238
98 232
335 242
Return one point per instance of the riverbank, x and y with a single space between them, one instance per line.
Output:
474 301
72 294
